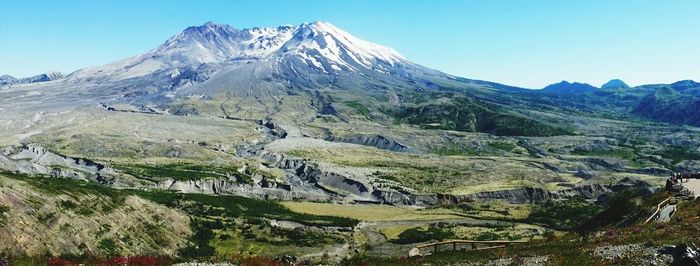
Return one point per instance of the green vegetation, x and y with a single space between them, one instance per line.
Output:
494 210
235 206
199 242
513 125
359 107
213 224
565 214
416 235
505 146
622 210
3 210
67 204
455 149
182 171
465 114
300 237
109 246
626 154
109 198
679 153
365 212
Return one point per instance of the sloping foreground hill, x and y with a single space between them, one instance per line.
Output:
41 217
68 222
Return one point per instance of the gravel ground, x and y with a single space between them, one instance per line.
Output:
638 253
204 264
296 143
527 261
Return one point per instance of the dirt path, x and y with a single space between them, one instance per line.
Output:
694 186
666 213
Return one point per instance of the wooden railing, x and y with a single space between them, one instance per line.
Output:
468 245
658 209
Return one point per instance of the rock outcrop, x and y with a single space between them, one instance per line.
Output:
345 187
377 141
526 195
34 159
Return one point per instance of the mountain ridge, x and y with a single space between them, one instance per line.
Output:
565 87
48 76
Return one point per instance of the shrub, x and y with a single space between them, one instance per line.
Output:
199 242
415 235
108 245
620 211
67 204
564 214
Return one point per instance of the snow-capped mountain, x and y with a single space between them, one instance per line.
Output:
319 45
219 62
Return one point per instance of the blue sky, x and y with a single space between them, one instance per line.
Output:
524 43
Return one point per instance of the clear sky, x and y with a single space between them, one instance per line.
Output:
525 43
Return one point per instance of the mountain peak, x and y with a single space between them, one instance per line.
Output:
615 84
7 79
210 24
684 84
318 23
565 87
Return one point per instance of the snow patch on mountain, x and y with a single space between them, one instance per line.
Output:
330 48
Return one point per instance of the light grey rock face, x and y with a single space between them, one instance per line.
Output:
585 174
657 171
233 187
377 141
341 186
7 164
605 163
39 155
34 159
